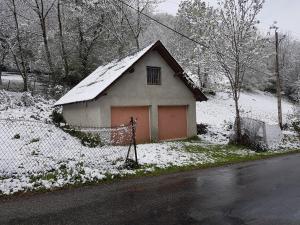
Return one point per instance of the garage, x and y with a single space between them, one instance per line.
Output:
122 115
172 122
138 85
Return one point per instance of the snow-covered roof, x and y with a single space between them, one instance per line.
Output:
100 79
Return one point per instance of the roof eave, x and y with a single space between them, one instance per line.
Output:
199 96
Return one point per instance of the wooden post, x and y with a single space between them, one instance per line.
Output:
8 85
33 91
133 126
127 156
278 83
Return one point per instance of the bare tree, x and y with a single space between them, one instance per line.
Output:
4 50
61 39
133 15
42 10
89 23
236 45
19 56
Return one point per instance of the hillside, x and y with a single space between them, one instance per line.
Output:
35 154
219 112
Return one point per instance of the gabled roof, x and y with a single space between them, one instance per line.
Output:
103 77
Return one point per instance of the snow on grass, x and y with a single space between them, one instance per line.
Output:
11 77
219 113
258 105
23 106
38 155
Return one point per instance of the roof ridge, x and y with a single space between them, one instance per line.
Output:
101 78
105 75
132 53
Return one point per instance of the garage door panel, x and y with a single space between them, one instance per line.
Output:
172 122
122 115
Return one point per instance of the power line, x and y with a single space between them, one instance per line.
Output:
164 25
185 36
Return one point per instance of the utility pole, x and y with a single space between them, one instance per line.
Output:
277 74
278 82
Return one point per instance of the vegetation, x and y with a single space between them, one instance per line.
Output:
57 117
296 126
62 41
17 136
222 155
87 139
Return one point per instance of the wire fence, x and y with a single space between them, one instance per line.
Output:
31 147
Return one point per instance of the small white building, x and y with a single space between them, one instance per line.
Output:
149 86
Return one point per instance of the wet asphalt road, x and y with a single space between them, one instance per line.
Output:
261 193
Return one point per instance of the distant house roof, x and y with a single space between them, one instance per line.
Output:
104 76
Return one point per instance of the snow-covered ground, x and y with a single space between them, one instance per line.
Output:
258 105
14 82
219 114
22 106
37 154
11 77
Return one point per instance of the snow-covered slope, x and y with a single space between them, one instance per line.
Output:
35 154
257 105
24 106
219 112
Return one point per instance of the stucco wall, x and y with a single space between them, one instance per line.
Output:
132 90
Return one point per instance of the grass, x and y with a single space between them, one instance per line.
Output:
221 155
217 151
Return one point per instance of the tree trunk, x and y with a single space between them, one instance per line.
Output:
47 51
81 46
42 18
137 43
1 65
238 130
1 75
23 69
83 51
61 38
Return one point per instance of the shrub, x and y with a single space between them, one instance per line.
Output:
56 91
34 140
27 99
17 136
296 126
57 117
87 139
90 140
201 129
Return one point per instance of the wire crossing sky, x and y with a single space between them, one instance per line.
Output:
183 35
285 12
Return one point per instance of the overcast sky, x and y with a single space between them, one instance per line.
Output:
285 12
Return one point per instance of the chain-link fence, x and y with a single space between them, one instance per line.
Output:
30 147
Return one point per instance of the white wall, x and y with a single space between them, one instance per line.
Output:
132 90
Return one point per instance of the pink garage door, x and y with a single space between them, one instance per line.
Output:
122 115
172 122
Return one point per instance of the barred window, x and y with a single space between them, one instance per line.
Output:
153 75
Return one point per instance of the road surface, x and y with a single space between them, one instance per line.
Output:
260 193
